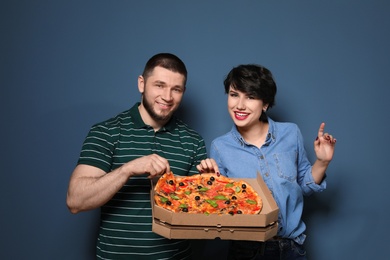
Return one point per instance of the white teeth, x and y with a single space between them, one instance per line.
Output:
239 114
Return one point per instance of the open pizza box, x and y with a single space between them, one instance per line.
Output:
259 227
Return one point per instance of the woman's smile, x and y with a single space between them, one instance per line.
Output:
241 115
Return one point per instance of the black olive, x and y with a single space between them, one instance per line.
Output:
231 213
234 197
212 178
181 184
170 182
199 187
227 202
209 182
185 209
243 191
197 198
243 186
239 212
169 203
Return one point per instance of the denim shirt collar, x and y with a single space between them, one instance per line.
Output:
271 136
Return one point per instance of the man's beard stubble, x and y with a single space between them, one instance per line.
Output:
149 108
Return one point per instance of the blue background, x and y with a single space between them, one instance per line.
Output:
66 65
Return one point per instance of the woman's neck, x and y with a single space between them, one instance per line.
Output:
256 134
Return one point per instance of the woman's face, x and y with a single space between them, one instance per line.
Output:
243 109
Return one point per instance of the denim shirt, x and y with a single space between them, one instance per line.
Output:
283 165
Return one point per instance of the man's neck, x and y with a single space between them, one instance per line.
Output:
148 120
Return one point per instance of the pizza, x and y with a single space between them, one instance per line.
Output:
206 193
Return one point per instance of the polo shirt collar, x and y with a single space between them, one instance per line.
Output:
139 123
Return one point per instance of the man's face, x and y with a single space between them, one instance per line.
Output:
162 93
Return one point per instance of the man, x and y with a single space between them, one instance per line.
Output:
120 156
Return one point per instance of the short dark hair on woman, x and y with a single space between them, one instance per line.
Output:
166 60
254 80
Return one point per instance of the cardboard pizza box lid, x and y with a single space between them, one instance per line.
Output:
267 217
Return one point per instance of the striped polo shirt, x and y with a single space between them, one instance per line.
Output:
126 220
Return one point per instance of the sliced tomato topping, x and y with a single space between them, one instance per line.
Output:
211 193
222 180
168 188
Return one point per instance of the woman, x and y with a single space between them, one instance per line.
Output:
255 144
